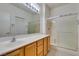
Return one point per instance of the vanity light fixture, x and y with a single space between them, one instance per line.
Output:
33 6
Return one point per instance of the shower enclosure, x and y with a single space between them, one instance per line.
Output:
65 31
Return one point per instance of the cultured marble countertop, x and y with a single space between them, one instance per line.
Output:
21 40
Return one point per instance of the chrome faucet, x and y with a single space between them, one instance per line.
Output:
13 39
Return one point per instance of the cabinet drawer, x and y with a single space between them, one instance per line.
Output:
40 42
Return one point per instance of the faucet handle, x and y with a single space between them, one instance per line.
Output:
7 33
13 39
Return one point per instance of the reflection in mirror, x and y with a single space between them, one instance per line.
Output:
4 24
20 26
23 27
34 24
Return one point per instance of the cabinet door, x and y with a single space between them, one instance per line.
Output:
30 50
48 43
40 47
19 52
45 46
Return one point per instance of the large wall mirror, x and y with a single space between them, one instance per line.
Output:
18 25
18 21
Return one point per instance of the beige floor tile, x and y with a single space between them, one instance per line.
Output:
56 51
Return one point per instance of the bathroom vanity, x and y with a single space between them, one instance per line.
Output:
34 45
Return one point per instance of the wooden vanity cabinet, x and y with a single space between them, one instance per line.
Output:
30 50
38 48
19 52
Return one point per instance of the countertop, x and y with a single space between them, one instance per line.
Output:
21 40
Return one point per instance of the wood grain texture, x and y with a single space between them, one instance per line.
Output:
19 52
30 50
45 46
40 48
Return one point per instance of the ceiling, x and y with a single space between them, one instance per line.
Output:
54 5
50 5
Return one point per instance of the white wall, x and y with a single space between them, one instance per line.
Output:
69 8
47 12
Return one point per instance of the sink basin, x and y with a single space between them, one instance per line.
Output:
9 44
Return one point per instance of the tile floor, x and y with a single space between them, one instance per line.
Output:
56 51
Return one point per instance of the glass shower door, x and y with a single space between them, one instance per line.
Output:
66 28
